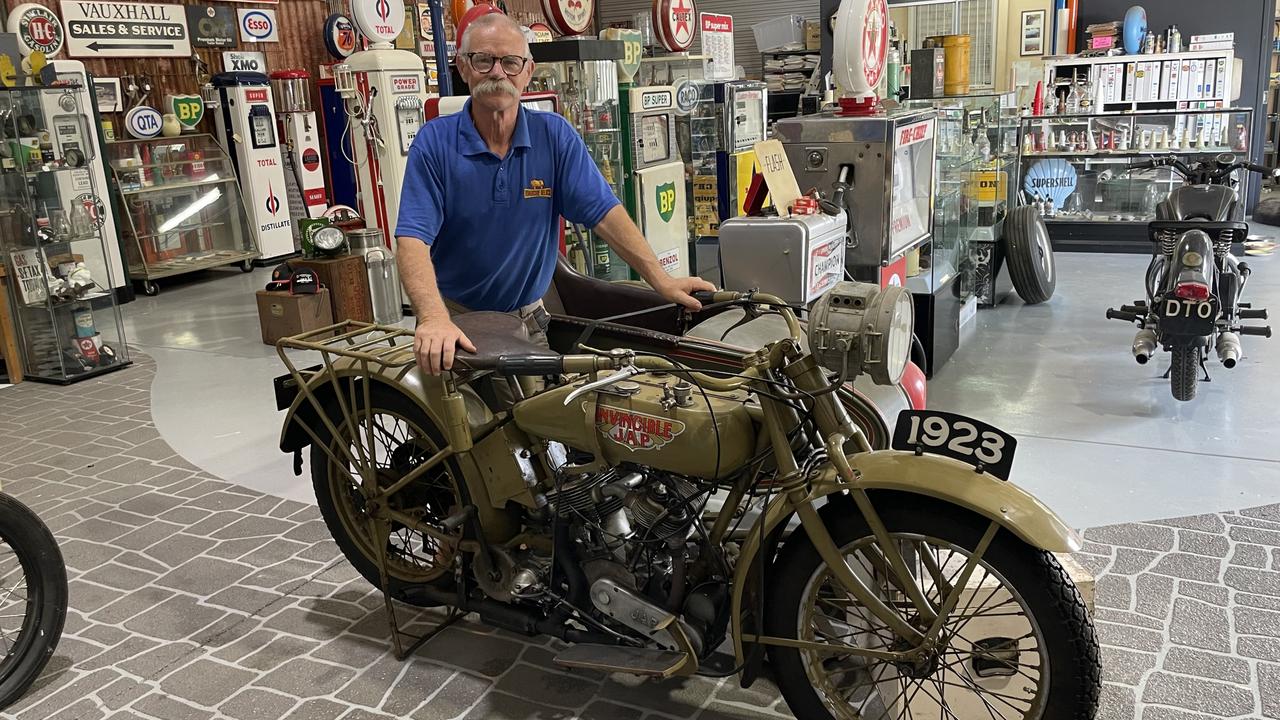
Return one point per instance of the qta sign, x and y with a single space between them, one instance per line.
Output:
143 122
258 25
125 29
37 28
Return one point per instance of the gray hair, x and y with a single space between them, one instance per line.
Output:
489 20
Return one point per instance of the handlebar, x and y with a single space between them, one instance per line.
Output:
1201 169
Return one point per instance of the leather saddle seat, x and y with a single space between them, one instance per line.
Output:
495 335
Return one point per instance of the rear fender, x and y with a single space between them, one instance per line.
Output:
940 478
302 420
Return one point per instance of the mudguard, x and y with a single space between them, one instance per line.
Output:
499 524
941 478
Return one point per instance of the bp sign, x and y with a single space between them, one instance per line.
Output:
666 198
189 110
37 28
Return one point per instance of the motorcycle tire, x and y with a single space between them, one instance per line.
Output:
1032 266
1068 640
338 516
45 611
1184 374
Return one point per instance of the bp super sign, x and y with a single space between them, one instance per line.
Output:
125 29
258 25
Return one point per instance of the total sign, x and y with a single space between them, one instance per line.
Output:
379 20
258 25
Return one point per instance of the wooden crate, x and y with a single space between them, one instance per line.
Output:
348 285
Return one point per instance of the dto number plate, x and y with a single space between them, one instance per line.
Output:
957 437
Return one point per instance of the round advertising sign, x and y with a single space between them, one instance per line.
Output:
542 32
93 208
339 36
143 122
686 96
379 20
311 159
37 28
568 17
875 41
675 23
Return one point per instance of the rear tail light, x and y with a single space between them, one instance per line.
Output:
1192 291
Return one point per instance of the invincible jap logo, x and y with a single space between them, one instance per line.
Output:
273 202
636 431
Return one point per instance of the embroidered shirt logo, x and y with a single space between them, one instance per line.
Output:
537 189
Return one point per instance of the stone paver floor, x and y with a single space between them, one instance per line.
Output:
192 598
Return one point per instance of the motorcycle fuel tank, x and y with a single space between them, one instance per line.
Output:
648 421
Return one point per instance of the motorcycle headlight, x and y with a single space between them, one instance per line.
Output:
864 327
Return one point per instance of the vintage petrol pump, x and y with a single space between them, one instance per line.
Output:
74 127
385 90
301 135
655 189
246 123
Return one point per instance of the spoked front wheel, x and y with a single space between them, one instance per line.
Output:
33 598
1019 643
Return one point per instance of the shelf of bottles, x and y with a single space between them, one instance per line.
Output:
1076 167
51 220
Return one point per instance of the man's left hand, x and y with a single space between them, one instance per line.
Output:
677 290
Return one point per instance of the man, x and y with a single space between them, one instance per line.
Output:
483 196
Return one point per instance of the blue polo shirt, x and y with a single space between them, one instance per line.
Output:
493 223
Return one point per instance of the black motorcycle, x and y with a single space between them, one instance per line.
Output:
1194 283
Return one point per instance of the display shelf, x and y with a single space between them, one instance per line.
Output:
63 340
177 186
210 225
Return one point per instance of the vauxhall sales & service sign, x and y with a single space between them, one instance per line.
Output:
125 29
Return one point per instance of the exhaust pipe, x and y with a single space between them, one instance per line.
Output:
1144 344
1229 349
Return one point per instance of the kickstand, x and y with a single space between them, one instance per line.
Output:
1204 370
381 529
1167 373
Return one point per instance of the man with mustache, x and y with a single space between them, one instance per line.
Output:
482 200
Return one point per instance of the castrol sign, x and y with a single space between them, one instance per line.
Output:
380 20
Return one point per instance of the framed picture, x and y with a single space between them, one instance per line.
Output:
1033 32
108 93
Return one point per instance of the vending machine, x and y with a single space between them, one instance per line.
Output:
246 124
74 136
656 196
301 134
385 91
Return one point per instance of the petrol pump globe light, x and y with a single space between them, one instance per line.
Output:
862 328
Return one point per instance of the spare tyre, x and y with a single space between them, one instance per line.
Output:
1030 255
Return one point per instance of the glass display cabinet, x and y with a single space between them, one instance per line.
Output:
51 219
1077 168
977 157
583 73
183 207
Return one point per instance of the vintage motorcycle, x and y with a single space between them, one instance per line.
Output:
669 521
33 598
1194 283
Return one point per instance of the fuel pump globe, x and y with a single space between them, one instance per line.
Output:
861 50
862 328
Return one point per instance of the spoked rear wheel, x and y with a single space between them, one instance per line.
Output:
404 438
33 598
1018 645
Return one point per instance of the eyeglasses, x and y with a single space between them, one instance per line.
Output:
483 62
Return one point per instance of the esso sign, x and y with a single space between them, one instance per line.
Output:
258 26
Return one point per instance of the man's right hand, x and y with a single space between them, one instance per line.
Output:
435 343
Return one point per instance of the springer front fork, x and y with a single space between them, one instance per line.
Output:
839 432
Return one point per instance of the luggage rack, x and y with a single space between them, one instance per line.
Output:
370 348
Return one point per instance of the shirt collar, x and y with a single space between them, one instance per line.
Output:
470 142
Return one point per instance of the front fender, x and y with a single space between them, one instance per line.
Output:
941 478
